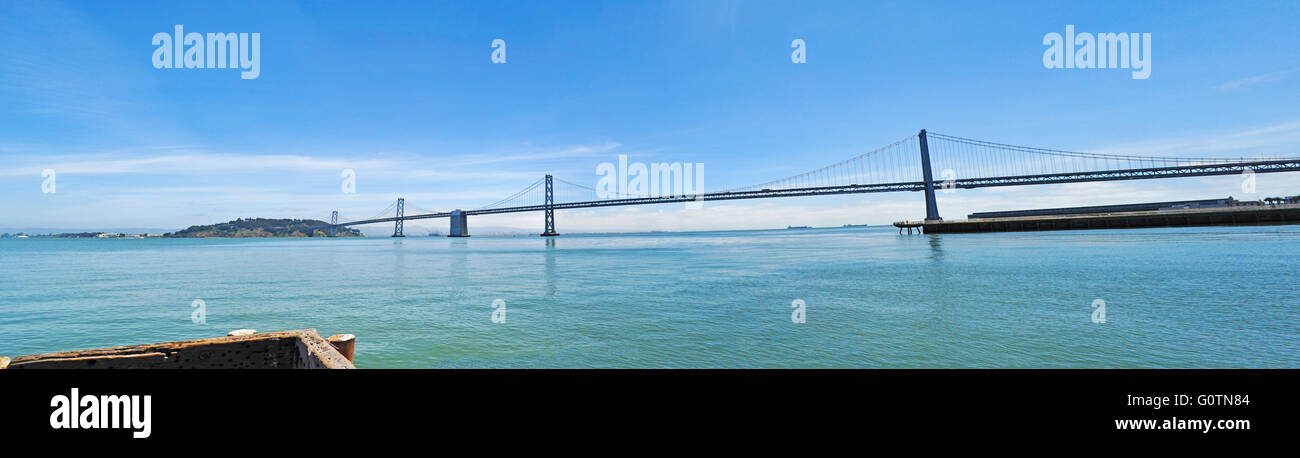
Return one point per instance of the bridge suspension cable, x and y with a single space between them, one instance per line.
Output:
893 163
523 197
567 191
422 210
964 158
574 192
382 213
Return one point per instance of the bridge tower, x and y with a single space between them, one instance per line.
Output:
931 207
334 223
550 210
401 212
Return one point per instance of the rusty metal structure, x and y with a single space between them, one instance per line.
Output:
301 349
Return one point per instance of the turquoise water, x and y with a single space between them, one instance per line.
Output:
1184 297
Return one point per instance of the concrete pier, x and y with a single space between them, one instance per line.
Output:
909 225
459 224
1222 216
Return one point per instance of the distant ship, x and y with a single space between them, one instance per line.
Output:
798 227
854 225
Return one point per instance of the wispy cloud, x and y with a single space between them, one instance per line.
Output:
1274 140
197 190
176 186
578 151
185 160
1244 82
185 163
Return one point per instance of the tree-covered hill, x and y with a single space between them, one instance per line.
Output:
265 227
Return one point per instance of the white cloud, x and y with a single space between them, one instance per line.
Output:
1244 82
455 167
193 163
1276 140
561 153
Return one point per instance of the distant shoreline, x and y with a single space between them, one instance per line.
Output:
112 235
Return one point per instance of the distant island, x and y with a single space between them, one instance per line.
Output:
264 227
240 228
81 235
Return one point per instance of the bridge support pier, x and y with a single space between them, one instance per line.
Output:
550 210
459 224
931 206
334 223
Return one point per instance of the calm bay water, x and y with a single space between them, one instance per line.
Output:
1184 297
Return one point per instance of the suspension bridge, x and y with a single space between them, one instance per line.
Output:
905 165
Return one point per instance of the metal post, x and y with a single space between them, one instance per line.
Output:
334 222
401 212
931 207
550 210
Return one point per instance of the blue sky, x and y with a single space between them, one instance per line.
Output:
406 95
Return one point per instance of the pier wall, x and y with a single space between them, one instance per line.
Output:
1289 214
